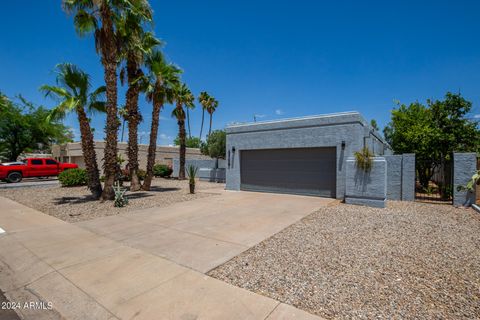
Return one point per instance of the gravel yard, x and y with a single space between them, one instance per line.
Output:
74 204
409 261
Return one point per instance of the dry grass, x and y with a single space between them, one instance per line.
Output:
409 261
75 204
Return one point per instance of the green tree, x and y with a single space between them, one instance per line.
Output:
432 132
24 128
190 142
162 78
183 97
99 17
216 144
374 125
211 108
204 99
73 94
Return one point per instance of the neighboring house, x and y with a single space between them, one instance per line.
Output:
72 152
299 156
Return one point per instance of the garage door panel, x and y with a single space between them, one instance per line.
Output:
310 171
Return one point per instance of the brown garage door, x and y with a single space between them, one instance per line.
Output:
308 171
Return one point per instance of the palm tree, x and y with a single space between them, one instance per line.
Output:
212 106
73 95
122 112
204 99
183 97
159 84
98 17
135 44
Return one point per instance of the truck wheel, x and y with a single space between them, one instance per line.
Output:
14 177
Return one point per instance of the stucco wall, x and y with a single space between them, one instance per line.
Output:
367 187
199 163
464 167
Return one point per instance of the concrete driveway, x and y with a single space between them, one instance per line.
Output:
144 265
205 233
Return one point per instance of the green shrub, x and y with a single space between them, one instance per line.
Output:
162 170
141 174
73 177
364 159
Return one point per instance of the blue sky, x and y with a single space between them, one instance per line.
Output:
274 59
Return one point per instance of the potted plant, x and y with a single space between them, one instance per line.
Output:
192 174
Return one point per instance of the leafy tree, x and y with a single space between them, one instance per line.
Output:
99 17
183 97
190 142
216 144
162 78
433 132
73 94
24 128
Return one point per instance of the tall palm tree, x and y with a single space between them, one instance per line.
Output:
122 112
183 97
204 100
73 95
212 106
98 17
135 43
159 84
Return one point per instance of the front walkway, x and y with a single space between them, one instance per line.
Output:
154 273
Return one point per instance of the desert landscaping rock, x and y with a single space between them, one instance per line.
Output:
75 204
409 261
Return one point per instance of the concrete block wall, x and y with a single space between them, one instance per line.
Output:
367 187
464 167
208 164
211 175
401 177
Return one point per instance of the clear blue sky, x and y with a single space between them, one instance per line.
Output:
276 59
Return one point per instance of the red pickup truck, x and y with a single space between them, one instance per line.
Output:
32 167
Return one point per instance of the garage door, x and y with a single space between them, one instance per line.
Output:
308 171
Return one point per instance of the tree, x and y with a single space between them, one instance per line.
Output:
98 17
24 128
135 43
158 85
190 142
183 97
204 99
73 94
374 125
216 144
211 108
122 112
433 133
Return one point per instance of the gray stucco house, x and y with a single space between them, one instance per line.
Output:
299 156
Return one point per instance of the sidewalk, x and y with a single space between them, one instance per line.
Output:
87 276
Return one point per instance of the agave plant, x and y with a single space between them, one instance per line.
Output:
120 199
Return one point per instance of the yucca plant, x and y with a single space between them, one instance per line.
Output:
364 159
192 174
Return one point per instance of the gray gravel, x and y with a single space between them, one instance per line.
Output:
74 204
409 261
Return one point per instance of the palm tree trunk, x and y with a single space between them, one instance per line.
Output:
123 129
201 127
210 129
109 62
88 150
152 147
133 119
188 123
183 149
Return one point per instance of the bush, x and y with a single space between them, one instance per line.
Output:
364 159
73 178
162 170
125 175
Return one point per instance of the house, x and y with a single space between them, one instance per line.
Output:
304 156
72 152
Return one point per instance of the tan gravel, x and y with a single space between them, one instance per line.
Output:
409 261
75 204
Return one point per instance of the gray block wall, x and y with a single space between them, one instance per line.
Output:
401 177
366 188
464 167
408 177
211 175
210 164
